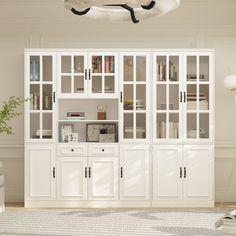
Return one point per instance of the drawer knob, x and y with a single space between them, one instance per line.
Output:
72 150
103 150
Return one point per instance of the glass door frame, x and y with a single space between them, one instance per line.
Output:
167 54
198 54
103 54
40 83
72 94
121 95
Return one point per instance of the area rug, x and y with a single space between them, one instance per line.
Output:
155 222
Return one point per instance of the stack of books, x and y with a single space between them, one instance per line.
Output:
193 77
109 64
192 101
75 115
161 71
34 101
46 133
129 105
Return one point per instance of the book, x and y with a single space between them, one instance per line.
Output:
230 216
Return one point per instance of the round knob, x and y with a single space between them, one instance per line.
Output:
72 150
103 150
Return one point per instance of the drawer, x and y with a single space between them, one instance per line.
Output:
103 150
72 150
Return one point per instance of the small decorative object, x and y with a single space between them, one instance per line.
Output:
101 132
101 112
65 130
73 137
75 116
121 10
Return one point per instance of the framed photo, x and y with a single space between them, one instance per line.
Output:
65 130
101 132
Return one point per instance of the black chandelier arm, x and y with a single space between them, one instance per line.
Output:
149 6
80 13
131 10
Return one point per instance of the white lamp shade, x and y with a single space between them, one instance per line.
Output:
230 82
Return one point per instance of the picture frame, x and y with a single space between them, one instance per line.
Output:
94 131
65 130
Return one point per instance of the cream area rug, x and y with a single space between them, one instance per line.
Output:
154 222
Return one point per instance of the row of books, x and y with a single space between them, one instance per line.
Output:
173 130
109 64
193 97
34 71
161 72
35 101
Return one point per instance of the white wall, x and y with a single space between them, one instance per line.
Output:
201 23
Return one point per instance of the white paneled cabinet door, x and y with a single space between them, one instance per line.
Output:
72 178
134 172
40 171
103 178
167 173
198 172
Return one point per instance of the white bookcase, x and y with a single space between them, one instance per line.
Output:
154 147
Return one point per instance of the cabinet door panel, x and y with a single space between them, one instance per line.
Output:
72 182
167 172
103 183
198 162
40 184
135 172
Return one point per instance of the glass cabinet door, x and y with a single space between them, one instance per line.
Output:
40 87
134 96
167 95
197 96
102 74
73 74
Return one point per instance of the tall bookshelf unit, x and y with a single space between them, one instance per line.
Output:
153 148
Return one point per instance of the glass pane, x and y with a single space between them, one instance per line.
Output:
141 126
204 125
141 97
191 97
161 68
173 97
161 97
109 84
174 68
78 64
128 126
78 84
34 68
34 126
204 68
96 84
174 126
47 126
66 64
128 97
47 96
141 68
128 68
191 68
97 64
66 84
161 126
109 64
47 68
204 97
34 97
191 125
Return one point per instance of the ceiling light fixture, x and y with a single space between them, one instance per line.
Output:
121 9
